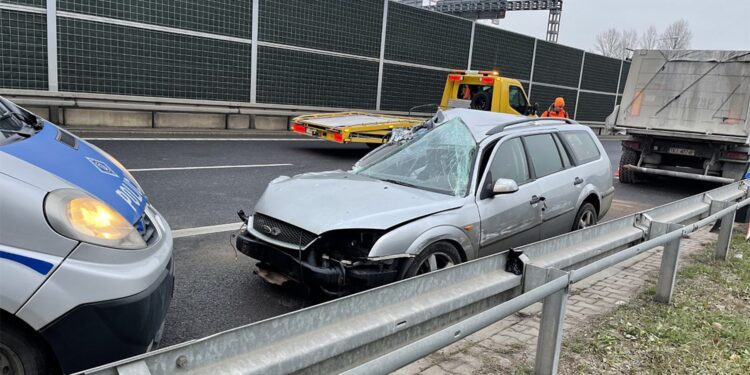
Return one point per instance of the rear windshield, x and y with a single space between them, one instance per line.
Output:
581 145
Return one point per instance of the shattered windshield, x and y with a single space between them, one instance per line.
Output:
440 160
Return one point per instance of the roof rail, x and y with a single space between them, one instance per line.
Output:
501 127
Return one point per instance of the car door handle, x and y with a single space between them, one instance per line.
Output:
536 199
577 181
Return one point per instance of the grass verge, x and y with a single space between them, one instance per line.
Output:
706 329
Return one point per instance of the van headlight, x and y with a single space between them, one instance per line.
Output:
79 216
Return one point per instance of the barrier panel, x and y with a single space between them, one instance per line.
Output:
386 328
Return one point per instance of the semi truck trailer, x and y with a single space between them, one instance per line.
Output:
685 115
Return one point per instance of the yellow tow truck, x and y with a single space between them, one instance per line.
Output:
481 90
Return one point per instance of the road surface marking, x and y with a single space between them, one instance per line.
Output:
197 231
208 167
204 139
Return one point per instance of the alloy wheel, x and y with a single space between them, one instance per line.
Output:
436 261
586 220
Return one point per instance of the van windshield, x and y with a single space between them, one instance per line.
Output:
15 124
439 161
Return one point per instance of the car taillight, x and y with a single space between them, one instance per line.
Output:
488 79
298 128
735 155
454 77
338 137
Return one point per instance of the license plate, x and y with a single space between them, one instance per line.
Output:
681 151
312 132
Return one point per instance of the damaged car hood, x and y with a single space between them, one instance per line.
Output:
320 202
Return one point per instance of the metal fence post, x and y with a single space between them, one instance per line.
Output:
669 258
551 327
725 230
52 77
383 33
255 9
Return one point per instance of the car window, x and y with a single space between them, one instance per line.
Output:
510 162
544 155
517 99
581 145
563 153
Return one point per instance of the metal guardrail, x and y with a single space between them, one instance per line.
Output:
386 328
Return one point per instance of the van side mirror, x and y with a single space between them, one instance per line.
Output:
504 186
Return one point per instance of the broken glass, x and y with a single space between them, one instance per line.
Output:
438 160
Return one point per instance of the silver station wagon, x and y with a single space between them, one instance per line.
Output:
463 185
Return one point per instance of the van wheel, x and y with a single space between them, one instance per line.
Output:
628 176
435 257
22 353
585 217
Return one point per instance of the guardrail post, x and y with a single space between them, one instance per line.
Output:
725 230
669 258
551 326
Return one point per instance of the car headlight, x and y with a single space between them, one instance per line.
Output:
79 216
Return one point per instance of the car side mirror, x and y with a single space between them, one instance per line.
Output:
504 186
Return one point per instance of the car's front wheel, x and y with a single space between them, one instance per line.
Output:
585 217
435 257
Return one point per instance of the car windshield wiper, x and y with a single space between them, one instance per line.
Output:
19 132
397 182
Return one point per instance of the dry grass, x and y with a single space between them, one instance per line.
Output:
706 329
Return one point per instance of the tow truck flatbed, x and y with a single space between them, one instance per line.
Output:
357 127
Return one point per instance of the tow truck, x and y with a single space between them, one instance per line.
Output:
481 90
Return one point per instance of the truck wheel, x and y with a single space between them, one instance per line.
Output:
435 257
22 353
628 176
481 101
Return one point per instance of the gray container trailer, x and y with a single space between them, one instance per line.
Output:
686 115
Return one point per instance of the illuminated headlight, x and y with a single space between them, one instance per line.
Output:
81 217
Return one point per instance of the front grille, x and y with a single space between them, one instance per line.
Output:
146 228
282 231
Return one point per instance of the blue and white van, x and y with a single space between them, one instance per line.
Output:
86 269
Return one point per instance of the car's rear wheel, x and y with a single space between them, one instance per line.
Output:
585 217
437 256
21 353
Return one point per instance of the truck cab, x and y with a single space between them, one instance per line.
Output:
485 91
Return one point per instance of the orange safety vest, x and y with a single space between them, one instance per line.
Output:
552 113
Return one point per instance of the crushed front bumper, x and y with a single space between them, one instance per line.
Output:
332 277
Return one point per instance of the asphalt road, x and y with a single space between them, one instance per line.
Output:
215 289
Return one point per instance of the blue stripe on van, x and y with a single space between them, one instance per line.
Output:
35 264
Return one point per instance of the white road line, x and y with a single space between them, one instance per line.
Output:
197 231
208 167
203 139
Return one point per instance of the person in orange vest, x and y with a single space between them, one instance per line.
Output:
557 109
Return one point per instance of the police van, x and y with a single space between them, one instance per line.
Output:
86 269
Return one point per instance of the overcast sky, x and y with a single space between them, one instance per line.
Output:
716 24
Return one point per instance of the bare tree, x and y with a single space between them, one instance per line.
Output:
608 43
676 36
649 39
628 42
